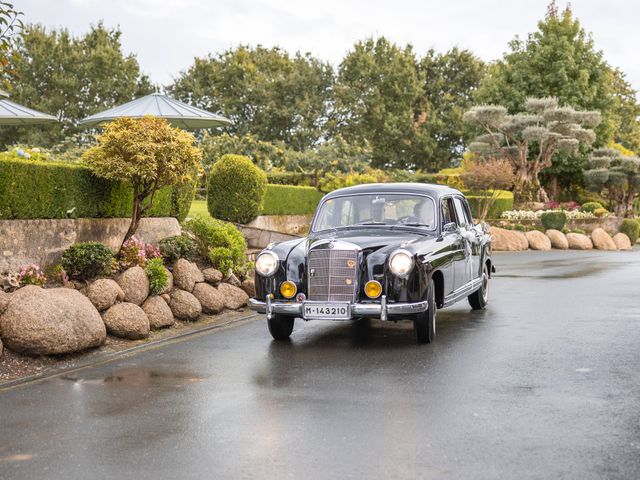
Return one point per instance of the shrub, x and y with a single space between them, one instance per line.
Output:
553 220
519 227
219 241
31 275
578 230
157 274
35 189
290 200
179 246
334 181
135 252
591 207
236 189
86 260
601 212
290 178
631 228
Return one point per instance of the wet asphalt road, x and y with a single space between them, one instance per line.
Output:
544 384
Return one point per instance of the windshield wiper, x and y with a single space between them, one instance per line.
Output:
411 224
371 223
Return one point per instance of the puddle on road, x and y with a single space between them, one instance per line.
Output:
140 377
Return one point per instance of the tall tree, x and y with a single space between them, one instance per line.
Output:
265 92
10 27
70 77
450 80
379 103
558 60
530 140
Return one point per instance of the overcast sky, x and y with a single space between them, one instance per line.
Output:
167 34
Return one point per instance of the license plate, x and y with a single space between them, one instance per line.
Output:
326 311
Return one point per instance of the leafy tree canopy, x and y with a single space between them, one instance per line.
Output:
69 77
265 92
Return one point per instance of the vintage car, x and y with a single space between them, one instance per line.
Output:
389 251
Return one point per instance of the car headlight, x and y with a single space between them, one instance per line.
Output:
400 263
266 264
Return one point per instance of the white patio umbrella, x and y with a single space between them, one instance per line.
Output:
13 114
159 105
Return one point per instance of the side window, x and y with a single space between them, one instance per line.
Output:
446 212
467 211
461 214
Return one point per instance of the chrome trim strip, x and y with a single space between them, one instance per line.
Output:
380 310
465 290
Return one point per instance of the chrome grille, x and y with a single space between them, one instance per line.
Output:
330 276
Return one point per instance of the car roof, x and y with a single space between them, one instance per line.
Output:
430 189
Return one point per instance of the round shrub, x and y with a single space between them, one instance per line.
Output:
236 189
157 274
631 228
219 241
553 220
591 207
86 260
601 212
179 246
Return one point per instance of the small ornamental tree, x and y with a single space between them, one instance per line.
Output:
149 154
616 177
486 178
530 139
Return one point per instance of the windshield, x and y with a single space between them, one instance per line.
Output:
377 209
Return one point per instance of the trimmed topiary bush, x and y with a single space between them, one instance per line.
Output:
86 260
179 246
591 207
553 220
219 241
631 228
157 274
236 189
290 200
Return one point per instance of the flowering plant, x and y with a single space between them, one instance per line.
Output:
517 215
31 275
135 252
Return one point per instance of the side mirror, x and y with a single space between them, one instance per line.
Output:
450 227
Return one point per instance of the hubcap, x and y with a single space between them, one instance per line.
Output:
485 285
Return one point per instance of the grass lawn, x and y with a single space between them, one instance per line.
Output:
199 207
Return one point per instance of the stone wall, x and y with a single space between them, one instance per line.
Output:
258 238
289 224
43 241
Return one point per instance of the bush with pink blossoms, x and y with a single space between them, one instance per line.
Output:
135 252
31 275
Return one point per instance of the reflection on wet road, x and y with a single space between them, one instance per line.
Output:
543 384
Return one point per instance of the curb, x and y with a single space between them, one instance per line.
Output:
103 358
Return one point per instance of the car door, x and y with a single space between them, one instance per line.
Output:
456 243
469 237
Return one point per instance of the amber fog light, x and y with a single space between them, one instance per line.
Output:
288 289
373 289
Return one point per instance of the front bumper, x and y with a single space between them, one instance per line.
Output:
380 310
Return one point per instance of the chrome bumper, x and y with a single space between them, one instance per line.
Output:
373 310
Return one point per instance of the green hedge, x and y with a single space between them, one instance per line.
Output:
290 200
35 189
291 178
503 203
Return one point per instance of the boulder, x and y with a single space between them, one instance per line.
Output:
104 292
538 240
209 297
508 240
169 286
9 281
126 320
1 348
40 321
166 297
249 286
233 280
135 285
184 305
557 239
212 276
578 241
602 240
622 241
4 301
186 274
234 297
158 312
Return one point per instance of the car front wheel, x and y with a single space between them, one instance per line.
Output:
480 298
280 326
424 324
